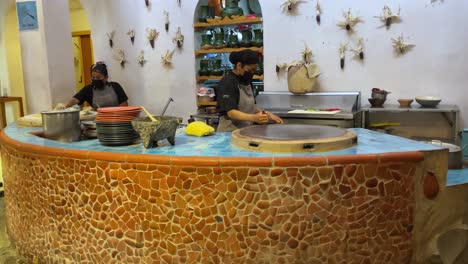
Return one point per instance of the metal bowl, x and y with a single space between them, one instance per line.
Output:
428 101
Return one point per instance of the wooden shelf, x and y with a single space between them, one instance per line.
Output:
199 104
206 78
213 22
226 50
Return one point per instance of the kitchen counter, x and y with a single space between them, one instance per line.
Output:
204 200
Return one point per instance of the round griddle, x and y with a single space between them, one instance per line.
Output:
292 132
293 138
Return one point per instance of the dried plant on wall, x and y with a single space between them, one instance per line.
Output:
342 49
120 57
289 5
152 35
141 58
318 12
400 45
166 21
110 36
147 3
131 34
167 59
179 38
349 21
178 2
359 51
388 17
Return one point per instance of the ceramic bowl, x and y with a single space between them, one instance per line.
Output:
405 102
428 101
376 102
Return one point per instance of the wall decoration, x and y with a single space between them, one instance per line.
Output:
110 36
147 3
400 46
152 35
349 21
318 12
167 59
302 75
342 49
120 57
179 38
178 2
291 4
388 17
27 15
131 34
359 51
166 21
141 58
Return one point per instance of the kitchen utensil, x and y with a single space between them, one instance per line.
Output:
62 125
376 102
455 157
167 104
405 102
428 101
149 114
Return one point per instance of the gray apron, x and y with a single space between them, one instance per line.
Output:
246 105
105 97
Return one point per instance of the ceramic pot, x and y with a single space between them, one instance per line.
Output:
246 38
204 13
258 38
233 40
232 9
204 68
216 68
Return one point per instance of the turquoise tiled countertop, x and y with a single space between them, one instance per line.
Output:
369 142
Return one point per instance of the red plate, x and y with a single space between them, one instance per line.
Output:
119 109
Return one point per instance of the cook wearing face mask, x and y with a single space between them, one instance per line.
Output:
100 93
235 98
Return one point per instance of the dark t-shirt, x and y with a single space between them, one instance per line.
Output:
86 94
227 93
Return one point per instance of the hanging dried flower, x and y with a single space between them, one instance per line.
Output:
290 4
307 54
349 21
147 3
167 59
152 35
131 34
400 45
342 49
110 36
166 20
179 38
359 51
388 17
141 58
120 57
318 12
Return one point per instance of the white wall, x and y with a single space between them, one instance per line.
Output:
436 66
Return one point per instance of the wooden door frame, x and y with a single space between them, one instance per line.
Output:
87 62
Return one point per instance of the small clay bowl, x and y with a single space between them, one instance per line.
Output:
405 102
376 102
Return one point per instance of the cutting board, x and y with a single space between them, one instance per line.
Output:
298 111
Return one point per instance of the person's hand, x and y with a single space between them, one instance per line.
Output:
261 118
275 118
59 106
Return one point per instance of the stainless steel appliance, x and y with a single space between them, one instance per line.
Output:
280 103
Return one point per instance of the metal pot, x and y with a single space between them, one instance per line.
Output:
63 125
455 157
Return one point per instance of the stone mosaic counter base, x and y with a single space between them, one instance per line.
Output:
100 207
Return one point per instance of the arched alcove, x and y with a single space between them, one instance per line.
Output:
220 29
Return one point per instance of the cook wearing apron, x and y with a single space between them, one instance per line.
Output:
235 99
100 93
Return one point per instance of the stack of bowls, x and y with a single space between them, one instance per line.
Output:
114 126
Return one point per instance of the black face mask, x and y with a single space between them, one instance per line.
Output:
246 78
98 84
